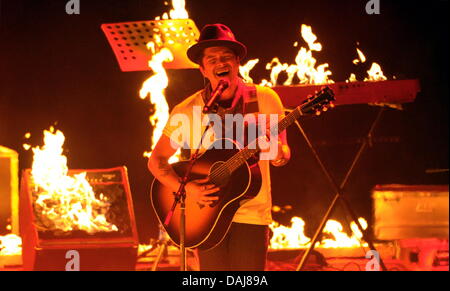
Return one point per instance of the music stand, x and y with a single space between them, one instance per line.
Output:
129 40
339 191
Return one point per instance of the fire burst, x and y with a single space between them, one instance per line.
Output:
293 237
65 202
155 86
305 68
373 74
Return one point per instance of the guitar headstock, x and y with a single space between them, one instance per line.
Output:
319 102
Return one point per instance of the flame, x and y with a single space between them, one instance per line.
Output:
65 202
293 237
290 71
305 64
310 38
352 78
266 83
375 73
178 12
245 70
362 57
10 245
339 238
275 68
306 69
155 86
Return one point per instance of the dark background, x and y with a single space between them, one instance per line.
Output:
59 69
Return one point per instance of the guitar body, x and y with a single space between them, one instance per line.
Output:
206 226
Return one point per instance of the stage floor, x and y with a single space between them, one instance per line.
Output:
337 259
334 264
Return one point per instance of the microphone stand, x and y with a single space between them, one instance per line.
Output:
180 197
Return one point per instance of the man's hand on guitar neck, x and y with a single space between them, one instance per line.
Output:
201 190
283 152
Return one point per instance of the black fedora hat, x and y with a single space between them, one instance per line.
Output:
215 35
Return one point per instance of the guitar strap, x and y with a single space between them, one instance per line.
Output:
250 100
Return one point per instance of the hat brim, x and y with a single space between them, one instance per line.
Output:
195 52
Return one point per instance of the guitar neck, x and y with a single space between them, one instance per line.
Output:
253 148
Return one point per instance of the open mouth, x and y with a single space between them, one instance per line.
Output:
222 73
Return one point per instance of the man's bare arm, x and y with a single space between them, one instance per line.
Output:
159 166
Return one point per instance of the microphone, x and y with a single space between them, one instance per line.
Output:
222 86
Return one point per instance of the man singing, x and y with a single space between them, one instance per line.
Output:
219 54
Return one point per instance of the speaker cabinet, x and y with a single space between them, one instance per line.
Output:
410 211
47 248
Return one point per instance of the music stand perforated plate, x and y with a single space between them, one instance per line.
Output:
129 41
